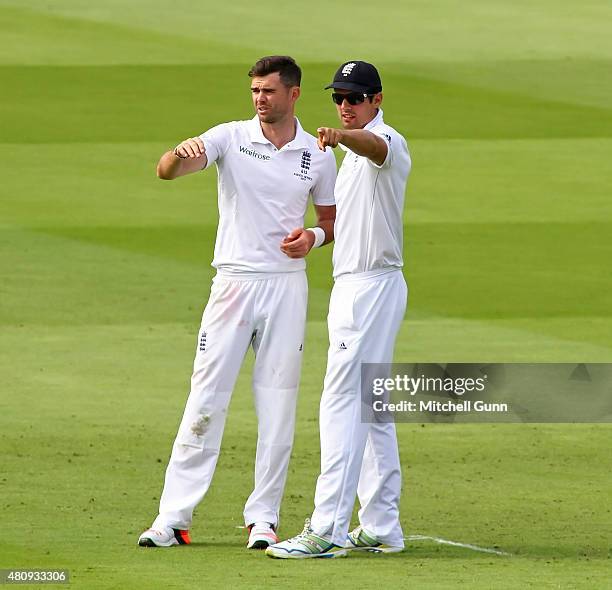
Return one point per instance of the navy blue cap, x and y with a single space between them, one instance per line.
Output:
359 76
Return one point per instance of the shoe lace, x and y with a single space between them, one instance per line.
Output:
306 537
305 532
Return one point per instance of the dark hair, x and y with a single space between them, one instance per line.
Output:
289 72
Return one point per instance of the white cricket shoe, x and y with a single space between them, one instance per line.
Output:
261 535
359 540
166 537
306 544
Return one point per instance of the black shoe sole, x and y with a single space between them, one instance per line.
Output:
260 545
146 543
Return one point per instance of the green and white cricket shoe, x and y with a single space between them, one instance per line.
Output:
360 540
307 544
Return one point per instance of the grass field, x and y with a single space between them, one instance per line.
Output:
104 271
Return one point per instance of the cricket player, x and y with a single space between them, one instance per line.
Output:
367 306
267 168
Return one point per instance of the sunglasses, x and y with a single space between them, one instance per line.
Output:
352 98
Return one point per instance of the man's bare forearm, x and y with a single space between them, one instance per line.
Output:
326 217
359 141
364 143
328 227
171 166
187 157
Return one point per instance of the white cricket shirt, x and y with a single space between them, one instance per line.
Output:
263 193
369 206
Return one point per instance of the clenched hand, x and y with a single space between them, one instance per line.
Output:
328 136
298 243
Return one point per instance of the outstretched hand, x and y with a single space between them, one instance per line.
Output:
328 136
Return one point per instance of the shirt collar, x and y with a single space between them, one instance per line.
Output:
255 133
300 141
376 120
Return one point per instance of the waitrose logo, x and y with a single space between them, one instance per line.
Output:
253 153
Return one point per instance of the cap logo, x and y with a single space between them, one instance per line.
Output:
348 68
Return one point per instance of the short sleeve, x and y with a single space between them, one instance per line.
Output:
391 146
323 190
216 142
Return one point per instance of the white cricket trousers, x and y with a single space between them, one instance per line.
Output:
357 459
270 314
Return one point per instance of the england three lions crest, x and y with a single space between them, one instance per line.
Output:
305 162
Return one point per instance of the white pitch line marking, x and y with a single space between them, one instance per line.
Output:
443 542
455 544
